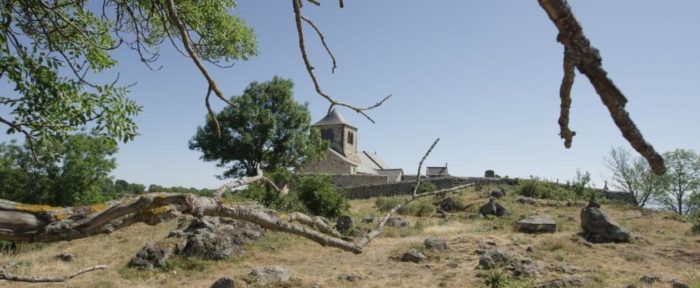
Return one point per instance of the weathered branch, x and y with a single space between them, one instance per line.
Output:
420 165
588 62
565 94
187 42
323 41
5 275
298 17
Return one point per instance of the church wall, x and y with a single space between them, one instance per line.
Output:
332 164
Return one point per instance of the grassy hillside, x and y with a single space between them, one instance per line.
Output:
662 245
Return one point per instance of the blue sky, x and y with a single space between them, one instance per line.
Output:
482 75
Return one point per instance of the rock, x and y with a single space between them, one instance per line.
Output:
435 243
224 282
678 284
526 200
65 257
561 283
492 259
349 277
344 224
498 193
493 208
270 275
414 256
398 222
599 228
650 279
153 255
537 224
214 239
526 267
368 219
450 204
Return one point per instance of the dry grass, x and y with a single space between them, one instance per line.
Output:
661 247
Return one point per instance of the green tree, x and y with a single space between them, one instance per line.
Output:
634 176
264 127
74 174
683 178
50 49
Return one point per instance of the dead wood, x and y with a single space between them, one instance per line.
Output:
587 60
5 275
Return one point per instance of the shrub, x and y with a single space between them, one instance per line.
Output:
320 197
426 186
385 204
695 230
267 196
539 189
420 208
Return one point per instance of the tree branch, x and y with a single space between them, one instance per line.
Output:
309 68
588 62
565 94
5 275
415 189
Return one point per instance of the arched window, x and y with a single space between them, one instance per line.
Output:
327 134
351 137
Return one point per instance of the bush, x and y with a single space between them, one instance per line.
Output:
695 230
267 196
539 189
419 208
320 197
426 186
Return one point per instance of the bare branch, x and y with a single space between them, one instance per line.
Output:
5 275
588 62
309 68
565 94
323 41
420 165
187 42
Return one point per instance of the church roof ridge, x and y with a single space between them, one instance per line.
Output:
333 118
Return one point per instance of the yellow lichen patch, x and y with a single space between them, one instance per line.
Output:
159 210
59 213
98 207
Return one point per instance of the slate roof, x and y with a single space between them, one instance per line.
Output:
436 171
333 118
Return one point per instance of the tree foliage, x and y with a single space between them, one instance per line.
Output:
683 178
634 176
72 175
50 49
265 127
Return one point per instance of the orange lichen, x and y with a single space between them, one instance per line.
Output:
59 213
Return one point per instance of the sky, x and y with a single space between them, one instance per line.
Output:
483 76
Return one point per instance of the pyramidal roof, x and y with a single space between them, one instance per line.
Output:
333 118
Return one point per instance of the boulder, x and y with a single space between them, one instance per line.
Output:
210 238
678 284
368 219
650 279
65 257
414 256
270 275
537 224
526 267
153 255
450 204
398 222
344 224
434 243
214 239
526 200
561 283
492 259
224 282
493 208
498 193
349 277
599 228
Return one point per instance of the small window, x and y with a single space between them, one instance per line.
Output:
327 134
351 139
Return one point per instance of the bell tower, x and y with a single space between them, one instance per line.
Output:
341 135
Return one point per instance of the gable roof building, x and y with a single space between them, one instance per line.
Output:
342 156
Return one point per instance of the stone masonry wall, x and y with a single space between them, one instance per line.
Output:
332 164
350 180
